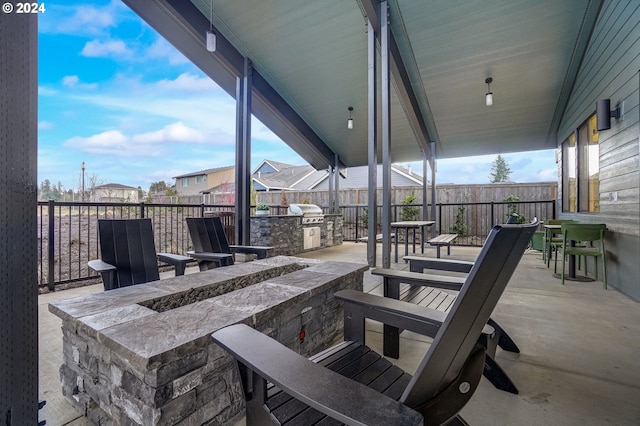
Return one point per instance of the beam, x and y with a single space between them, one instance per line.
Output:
184 26
579 50
424 133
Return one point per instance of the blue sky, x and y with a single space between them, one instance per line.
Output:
116 95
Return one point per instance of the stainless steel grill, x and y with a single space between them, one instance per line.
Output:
310 212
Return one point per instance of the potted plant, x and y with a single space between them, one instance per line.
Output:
262 209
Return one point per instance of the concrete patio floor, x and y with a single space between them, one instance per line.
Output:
579 362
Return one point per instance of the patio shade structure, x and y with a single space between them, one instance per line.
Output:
298 67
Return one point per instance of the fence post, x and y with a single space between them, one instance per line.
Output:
440 217
202 210
142 210
51 247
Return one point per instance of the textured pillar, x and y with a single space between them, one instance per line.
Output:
18 280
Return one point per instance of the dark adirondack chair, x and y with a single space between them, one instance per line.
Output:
128 254
352 384
210 245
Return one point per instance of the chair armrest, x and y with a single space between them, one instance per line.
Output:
177 260
393 312
261 251
395 277
320 388
107 272
100 266
222 259
396 313
418 264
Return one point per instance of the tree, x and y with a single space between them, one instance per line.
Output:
500 171
156 187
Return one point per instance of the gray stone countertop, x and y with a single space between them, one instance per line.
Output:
147 338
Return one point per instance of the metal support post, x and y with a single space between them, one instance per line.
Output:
243 155
372 213
385 95
433 187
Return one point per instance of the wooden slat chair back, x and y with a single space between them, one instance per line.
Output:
443 382
211 247
206 235
128 244
459 333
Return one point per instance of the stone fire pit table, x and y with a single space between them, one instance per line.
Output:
144 354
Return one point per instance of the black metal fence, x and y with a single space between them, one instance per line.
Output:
68 231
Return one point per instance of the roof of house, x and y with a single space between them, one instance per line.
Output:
204 172
290 177
113 186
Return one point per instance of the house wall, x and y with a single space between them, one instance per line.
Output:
224 177
610 70
358 177
114 195
193 187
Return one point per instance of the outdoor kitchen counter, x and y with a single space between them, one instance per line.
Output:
286 233
128 359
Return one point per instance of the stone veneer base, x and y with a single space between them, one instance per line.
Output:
126 364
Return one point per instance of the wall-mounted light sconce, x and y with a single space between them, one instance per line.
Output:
211 35
604 114
350 120
488 97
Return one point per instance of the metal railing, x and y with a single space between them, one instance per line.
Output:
68 231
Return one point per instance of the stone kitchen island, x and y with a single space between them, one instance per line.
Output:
144 354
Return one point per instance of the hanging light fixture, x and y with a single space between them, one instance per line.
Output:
350 120
489 95
211 35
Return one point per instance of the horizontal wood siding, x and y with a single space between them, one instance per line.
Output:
611 70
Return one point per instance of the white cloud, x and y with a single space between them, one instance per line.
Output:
148 144
161 49
73 82
81 20
46 91
45 125
176 132
548 174
111 48
189 82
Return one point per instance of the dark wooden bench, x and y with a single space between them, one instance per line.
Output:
423 290
443 240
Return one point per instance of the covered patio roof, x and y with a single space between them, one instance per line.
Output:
310 64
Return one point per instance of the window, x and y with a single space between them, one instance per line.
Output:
589 167
185 182
198 179
569 174
581 169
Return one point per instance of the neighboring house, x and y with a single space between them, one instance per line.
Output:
220 179
273 175
358 178
114 193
